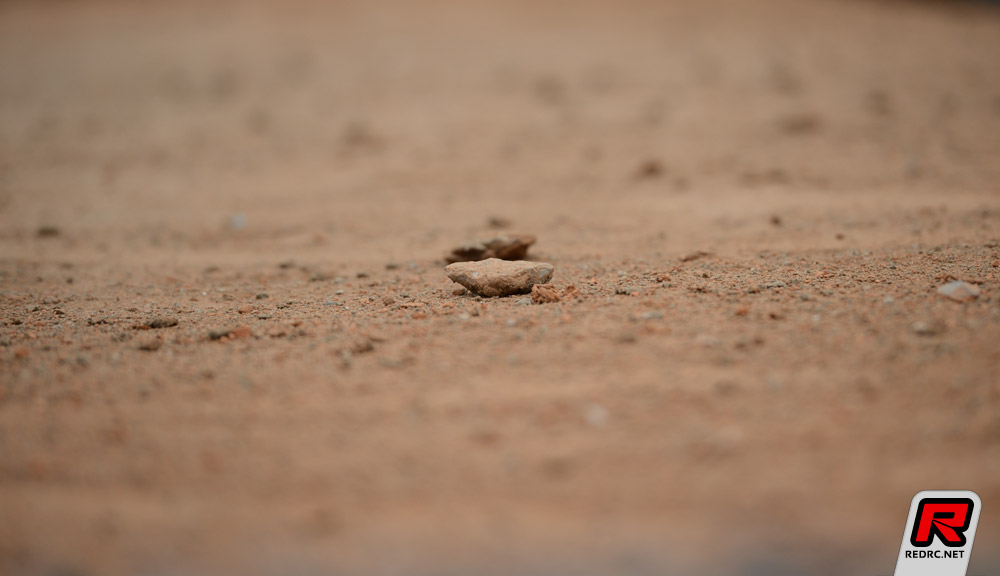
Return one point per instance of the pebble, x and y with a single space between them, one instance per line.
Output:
707 341
626 289
158 323
238 221
690 257
238 332
494 277
959 291
506 247
596 415
150 345
242 332
922 328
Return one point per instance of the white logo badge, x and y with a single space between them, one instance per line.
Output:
939 532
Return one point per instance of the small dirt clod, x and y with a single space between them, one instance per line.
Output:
506 247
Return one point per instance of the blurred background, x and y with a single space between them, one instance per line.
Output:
156 157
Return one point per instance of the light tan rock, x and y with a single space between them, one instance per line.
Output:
494 277
959 291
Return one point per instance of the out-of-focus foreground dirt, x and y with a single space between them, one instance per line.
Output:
295 171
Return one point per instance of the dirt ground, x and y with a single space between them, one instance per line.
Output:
757 202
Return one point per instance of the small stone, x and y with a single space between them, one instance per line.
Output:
219 334
695 255
238 221
231 333
596 415
262 296
959 291
707 341
649 169
158 323
150 345
498 222
242 332
506 247
544 294
245 309
494 277
625 337
927 328
48 232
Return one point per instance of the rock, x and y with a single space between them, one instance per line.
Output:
626 289
498 222
707 341
494 277
922 328
506 247
596 415
241 332
692 256
219 334
231 333
150 345
959 291
238 222
649 169
158 323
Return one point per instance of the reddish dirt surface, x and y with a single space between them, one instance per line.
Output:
294 173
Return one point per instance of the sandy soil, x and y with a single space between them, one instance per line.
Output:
756 201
